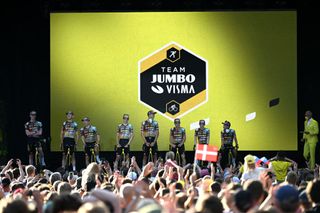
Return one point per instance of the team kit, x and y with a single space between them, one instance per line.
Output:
89 136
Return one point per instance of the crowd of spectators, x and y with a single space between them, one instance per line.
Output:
276 185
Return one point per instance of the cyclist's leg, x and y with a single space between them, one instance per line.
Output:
41 154
96 153
30 148
127 155
116 162
182 155
87 154
64 160
155 153
234 156
73 157
145 151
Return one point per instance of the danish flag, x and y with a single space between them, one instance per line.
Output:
206 153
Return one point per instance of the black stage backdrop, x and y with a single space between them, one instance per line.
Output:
25 62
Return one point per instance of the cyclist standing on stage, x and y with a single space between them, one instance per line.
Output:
90 139
124 139
177 140
150 134
69 138
227 137
33 130
202 134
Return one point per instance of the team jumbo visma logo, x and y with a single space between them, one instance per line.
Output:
173 80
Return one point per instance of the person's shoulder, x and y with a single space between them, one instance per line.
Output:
183 129
39 123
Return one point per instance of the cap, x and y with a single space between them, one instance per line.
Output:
177 120
132 175
235 179
85 119
33 113
69 112
287 194
151 112
249 159
226 123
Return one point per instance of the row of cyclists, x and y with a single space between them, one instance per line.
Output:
90 139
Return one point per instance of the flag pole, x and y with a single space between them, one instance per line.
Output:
195 160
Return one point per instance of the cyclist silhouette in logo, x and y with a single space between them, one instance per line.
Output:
173 108
124 138
228 152
172 54
177 140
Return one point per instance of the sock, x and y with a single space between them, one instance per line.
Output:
98 159
42 161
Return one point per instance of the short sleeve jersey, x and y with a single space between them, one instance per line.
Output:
89 133
69 129
177 134
228 137
125 131
33 126
150 129
202 135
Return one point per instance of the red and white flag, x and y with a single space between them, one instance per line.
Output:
206 153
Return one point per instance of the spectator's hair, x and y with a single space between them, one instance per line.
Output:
94 207
313 190
65 202
255 188
126 180
215 187
179 186
16 173
16 206
170 155
292 178
281 155
181 200
107 186
208 204
55 185
243 200
64 188
164 192
30 169
9 173
90 183
78 185
17 185
54 177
